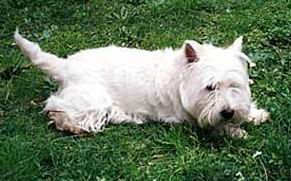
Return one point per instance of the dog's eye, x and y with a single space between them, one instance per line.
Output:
210 88
234 86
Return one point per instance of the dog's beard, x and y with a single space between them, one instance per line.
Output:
208 111
208 114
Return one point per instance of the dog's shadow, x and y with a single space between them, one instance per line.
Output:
187 135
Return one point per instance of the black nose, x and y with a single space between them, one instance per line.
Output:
227 113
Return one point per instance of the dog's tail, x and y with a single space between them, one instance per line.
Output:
48 62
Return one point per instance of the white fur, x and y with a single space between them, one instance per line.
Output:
114 84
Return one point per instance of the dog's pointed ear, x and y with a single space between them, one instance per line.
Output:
191 50
237 44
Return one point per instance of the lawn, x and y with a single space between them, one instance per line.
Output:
32 150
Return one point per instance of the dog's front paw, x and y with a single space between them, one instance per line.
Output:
239 133
258 116
231 130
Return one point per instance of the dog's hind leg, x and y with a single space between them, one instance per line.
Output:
79 109
85 108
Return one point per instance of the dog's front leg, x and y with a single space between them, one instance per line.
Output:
257 116
232 130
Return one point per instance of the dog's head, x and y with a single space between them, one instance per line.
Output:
215 83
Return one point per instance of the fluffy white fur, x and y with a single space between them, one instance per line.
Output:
112 84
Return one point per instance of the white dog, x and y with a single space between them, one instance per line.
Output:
198 83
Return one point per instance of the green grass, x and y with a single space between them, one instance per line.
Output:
31 150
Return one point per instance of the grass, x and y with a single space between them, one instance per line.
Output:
31 150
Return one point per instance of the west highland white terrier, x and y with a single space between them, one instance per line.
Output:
200 84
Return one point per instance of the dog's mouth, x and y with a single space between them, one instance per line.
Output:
214 121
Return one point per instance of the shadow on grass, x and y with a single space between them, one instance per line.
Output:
184 133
